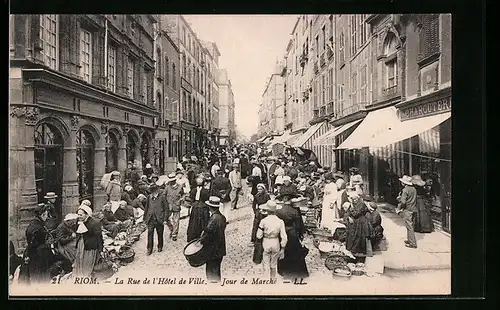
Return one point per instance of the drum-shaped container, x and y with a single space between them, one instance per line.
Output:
194 253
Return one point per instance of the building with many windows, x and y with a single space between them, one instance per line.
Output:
379 97
272 107
213 54
195 110
227 126
167 89
81 105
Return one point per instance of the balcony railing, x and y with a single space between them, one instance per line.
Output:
303 59
390 92
329 53
322 60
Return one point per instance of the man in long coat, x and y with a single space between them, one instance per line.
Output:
156 216
213 239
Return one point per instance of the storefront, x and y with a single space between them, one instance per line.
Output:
413 138
323 152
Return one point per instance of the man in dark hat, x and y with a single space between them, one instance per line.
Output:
213 239
156 216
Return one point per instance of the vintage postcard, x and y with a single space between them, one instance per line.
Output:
197 155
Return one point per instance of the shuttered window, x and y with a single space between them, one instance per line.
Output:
429 36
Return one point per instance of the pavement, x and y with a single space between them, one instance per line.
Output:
164 273
433 252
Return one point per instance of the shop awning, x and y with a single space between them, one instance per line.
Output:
407 129
329 137
262 139
374 124
286 138
300 141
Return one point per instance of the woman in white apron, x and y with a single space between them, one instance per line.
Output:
329 210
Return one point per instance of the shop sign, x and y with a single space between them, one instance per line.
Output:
426 109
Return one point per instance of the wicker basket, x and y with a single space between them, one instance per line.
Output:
335 259
322 235
126 255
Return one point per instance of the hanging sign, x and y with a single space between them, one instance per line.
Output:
426 109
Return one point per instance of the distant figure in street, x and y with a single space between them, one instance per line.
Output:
408 206
235 179
148 171
221 187
156 216
213 239
260 198
114 188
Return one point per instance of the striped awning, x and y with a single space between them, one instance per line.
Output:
375 123
300 141
329 137
286 138
407 129
262 139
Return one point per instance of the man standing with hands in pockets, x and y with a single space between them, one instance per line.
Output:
156 216
235 179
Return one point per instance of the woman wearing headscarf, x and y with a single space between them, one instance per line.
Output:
329 209
89 243
423 219
356 180
66 237
199 214
358 228
260 198
38 253
293 265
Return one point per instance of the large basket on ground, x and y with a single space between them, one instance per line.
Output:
334 259
322 235
126 255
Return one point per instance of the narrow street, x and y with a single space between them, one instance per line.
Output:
237 264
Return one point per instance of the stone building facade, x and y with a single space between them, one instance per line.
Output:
81 105
194 106
272 107
227 124
167 81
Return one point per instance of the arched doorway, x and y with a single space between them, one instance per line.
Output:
85 146
111 152
49 163
131 147
146 144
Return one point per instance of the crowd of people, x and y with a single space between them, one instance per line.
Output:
210 188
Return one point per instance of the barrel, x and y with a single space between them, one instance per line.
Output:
195 253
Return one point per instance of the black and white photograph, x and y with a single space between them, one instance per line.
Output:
230 155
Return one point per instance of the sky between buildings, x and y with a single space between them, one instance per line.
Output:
249 46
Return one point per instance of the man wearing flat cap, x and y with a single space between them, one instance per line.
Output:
155 216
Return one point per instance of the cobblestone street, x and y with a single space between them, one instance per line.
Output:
237 262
